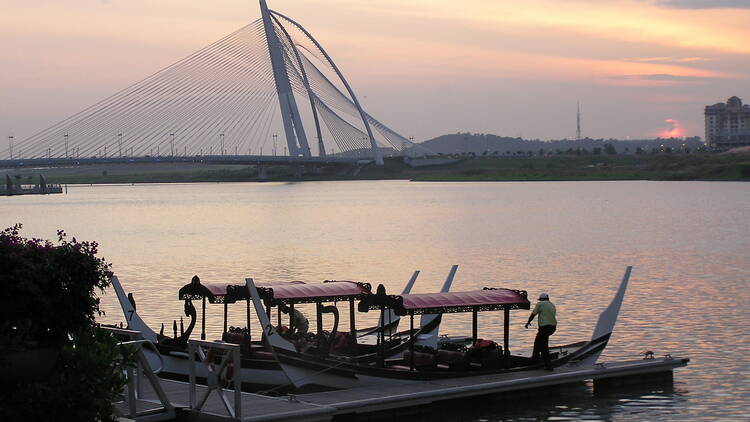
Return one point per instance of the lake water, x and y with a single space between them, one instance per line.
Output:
689 244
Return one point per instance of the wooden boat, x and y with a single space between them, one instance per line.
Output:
259 369
306 371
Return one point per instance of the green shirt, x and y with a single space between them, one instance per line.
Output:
546 311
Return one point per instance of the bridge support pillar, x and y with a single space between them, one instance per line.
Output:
262 172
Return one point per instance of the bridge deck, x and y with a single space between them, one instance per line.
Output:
204 159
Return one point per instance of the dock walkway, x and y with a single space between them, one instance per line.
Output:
325 406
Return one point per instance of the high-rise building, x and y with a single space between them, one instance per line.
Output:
728 124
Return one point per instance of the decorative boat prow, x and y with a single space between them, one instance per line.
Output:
269 331
131 316
390 320
430 338
604 326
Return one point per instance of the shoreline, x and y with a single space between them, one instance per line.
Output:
659 167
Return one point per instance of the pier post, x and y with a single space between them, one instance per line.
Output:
8 185
262 172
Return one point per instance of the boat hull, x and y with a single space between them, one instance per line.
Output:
309 373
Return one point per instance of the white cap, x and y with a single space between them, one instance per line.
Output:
543 296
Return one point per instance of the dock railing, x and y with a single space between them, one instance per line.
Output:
218 375
134 376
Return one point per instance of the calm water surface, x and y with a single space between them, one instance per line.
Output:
689 243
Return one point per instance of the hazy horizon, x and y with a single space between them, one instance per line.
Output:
639 68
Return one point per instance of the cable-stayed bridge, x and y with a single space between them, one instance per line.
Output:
268 92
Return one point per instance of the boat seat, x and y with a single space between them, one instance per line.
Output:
234 338
240 338
485 350
448 357
420 359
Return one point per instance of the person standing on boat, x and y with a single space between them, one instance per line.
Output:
547 326
300 322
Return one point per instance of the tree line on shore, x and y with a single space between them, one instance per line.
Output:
479 144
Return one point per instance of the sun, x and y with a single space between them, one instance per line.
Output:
675 130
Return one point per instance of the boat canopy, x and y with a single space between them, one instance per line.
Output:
222 292
276 291
327 291
487 299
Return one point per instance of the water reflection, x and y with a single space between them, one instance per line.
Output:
689 244
573 402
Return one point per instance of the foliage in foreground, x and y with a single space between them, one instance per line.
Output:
87 379
48 301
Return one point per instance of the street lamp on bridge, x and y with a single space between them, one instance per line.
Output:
171 142
119 143
66 144
274 144
10 145
221 137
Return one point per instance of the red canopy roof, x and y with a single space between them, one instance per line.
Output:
220 289
487 299
221 292
306 293
480 298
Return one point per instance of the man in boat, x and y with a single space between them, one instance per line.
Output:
300 323
547 326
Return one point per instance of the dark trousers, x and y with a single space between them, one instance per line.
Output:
541 344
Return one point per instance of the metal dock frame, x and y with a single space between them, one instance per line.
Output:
216 374
134 386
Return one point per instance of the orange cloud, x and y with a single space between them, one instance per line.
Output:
675 130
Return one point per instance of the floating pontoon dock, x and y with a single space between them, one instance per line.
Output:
331 405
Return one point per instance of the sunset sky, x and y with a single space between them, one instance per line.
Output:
639 68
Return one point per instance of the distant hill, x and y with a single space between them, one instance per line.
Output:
478 143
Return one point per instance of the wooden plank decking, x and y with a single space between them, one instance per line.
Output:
324 406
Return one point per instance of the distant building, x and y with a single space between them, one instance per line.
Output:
728 125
